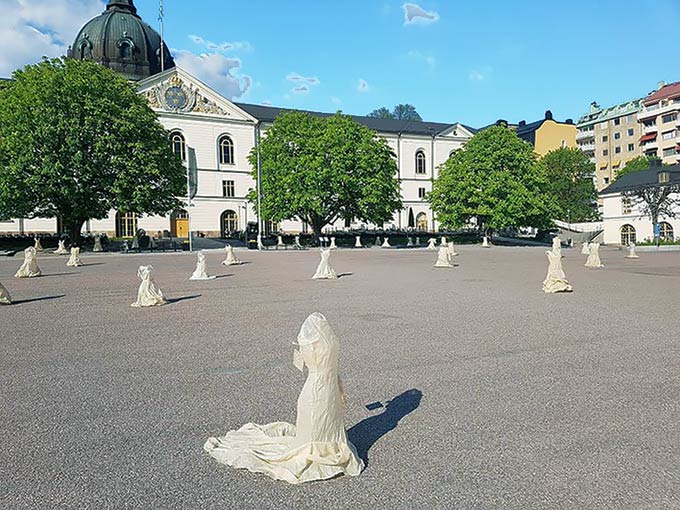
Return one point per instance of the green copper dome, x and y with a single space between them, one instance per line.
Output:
119 39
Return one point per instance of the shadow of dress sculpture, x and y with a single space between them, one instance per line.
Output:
556 281
149 294
5 298
316 447
29 269
324 271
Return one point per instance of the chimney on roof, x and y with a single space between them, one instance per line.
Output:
662 84
522 123
594 107
569 121
548 115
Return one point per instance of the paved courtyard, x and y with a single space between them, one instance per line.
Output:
497 395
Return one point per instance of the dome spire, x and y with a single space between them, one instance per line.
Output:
123 5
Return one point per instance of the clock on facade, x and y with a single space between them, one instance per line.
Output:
176 98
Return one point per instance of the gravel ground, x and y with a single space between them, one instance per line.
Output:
500 396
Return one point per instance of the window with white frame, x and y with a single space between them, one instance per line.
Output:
421 163
226 150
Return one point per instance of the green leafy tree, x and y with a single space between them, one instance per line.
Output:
569 174
636 165
76 140
400 112
324 169
382 113
496 180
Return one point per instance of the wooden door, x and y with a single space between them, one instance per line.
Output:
180 228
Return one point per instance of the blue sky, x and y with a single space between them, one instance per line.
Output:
467 61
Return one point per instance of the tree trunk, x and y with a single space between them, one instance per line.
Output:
74 229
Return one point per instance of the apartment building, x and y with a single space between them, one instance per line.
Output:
660 121
610 136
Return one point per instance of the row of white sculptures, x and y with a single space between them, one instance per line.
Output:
61 249
431 244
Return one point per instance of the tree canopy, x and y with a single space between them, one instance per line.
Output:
76 140
569 175
495 179
636 165
399 112
323 169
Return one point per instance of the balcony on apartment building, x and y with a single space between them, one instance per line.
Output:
652 111
651 128
585 135
587 147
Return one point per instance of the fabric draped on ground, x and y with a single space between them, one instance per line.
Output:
5 298
29 269
149 294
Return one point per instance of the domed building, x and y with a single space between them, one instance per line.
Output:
119 39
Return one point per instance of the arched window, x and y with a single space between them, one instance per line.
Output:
226 150
421 221
85 49
229 221
421 163
126 48
628 235
666 231
452 153
179 145
126 224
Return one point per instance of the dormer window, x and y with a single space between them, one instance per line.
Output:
85 49
126 48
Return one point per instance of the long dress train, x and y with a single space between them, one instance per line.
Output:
148 294
325 271
556 281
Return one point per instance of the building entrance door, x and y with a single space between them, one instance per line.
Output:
179 224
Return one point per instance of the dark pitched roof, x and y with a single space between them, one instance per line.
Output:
635 180
666 92
269 113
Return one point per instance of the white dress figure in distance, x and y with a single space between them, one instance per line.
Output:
594 256
557 246
5 299
201 273
631 252
316 447
298 246
585 250
357 242
443 242
325 271
231 259
409 242
149 294
432 244
386 243
38 246
74 259
61 249
29 269
443 259
417 241
485 243
98 248
333 246
556 281
280 243
451 250
377 240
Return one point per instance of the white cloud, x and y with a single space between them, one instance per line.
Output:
223 47
476 76
414 14
297 78
220 72
336 100
266 103
302 89
363 85
480 74
429 60
31 29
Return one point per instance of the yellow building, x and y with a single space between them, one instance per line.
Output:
547 134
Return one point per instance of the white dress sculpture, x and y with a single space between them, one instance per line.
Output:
5 299
556 281
417 241
485 243
135 243
74 259
594 256
231 259
451 250
443 259
377 240
61 249
409 242
298 246
357 242
149 294
432 244
386 243
98 248
443 242
585 250
280 243
557 246
333 246
29 269
325 271
631 252
38 246
201 273
260 244
316 446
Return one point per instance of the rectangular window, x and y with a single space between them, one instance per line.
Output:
617 136
617 122
669 152
626 207
421 192
228 189
605 152
631 147
605 138
631 132
617 150
669 118
630 119
606 180
668 135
